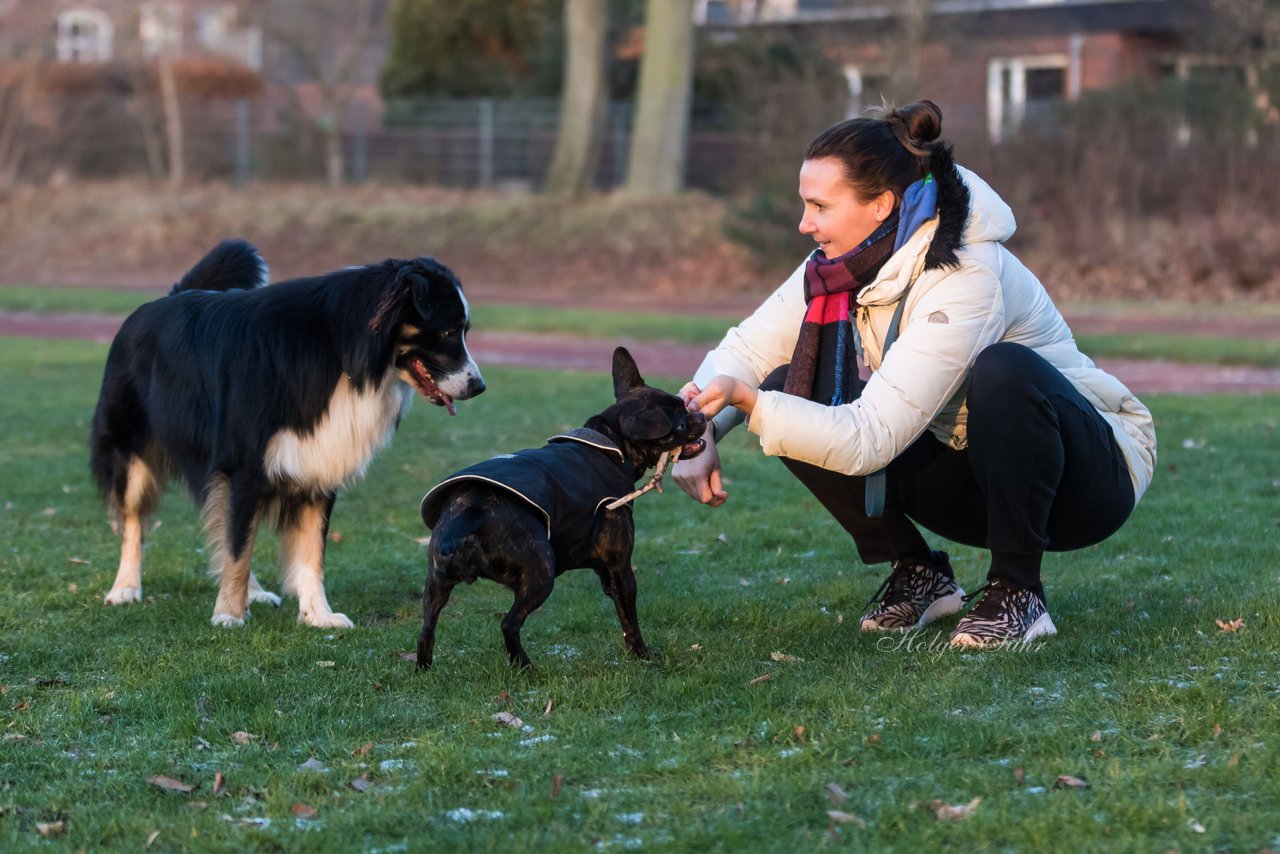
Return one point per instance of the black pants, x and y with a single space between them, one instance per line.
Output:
1042 472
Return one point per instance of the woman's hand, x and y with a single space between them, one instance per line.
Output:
699 477
720 392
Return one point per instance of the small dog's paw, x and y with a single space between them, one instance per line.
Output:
122 596
328 620
264 596
227 621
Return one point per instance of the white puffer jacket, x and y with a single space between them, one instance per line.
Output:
951 315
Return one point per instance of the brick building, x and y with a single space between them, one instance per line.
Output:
995 65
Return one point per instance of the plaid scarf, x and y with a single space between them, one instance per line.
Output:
823 366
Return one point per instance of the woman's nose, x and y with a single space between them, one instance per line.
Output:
806 225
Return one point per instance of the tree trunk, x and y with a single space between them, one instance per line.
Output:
334 161
172 121
913 22
582 100
15 105
660 126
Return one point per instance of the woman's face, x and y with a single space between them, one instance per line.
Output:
834 216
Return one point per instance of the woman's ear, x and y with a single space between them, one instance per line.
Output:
883 205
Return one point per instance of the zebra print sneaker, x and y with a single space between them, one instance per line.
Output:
914 595
1003 615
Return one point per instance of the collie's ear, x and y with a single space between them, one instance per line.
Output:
626 376
428 277
395 295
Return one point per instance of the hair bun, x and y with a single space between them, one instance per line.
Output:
917 126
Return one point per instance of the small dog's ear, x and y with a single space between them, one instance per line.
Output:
626 376
646 425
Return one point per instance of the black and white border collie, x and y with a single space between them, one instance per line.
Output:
264 401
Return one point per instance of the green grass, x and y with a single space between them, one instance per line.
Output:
1175 724
696 329
38 299
1188 349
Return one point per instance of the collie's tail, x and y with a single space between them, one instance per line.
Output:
231 265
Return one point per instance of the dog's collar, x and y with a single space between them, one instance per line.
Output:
587 436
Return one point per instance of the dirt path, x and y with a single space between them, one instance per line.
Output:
680 360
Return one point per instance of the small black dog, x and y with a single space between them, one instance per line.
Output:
522 519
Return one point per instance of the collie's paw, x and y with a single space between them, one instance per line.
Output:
264 596
122 596
328 620
227 621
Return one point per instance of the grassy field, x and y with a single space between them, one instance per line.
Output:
706 329
763 713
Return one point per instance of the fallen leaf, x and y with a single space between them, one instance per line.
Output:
765 678
325 663
409 656
1019 776
798 732
782 656
313 764
361 783
508 719
696 647
169 784
556 783
335 537
1232 626
784 580
51 828
722 539
954 812
838 795
73 588
547 710
1217 730
872 739
155 834
504 697
304 812
422 541
744 582
78 561
845 818
219 783
363 750
1066 781
1096 737
1195 826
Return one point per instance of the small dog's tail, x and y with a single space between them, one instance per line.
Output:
231 265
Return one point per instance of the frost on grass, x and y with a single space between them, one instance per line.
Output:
463 815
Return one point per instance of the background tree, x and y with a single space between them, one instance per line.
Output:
25 26
467 48
329 40
655 166
583 99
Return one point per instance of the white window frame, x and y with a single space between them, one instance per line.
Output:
1002 115
93 41
855 78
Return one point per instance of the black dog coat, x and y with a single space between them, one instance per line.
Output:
568 480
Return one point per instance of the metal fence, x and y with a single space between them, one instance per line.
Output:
471 143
